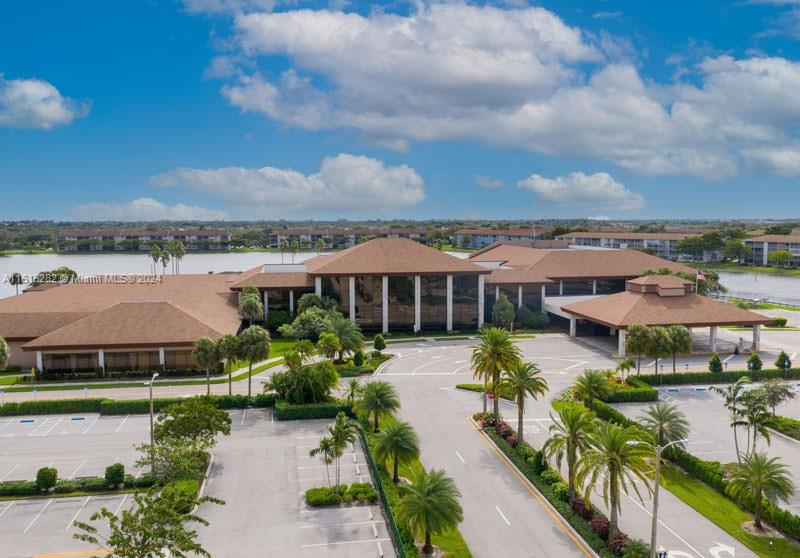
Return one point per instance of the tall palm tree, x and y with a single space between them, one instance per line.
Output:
666 423
615 460
155 255
625 366
5 353
591 385
756 417
399 443
430 506
568 437
732 395
283 246
228 347
250 307
679 342
253 347
206 355
329 345
327 452
320 245
17 279
378 398
659 346
520 381
636 343
178 251
164 257
293 248
759 478
343 433
351 340
354 391
494 353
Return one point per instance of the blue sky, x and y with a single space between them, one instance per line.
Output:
254 109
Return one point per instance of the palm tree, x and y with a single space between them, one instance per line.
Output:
666 423
155 255
519 381
320 246
253 347
494 353
568 437
164 257
304 348
5 353
250 307
329 345
756 417
615 460
327 452
228 347
348 333
591 385
659 346
354 391
283 246
206 355
430 506
625 366
379 398
293 248
679 342
774 392
343 433
636 343
732 395
399 443
178 251
760 478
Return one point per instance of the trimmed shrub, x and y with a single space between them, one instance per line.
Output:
362 492
512 440
779 322
754 362
46 479
618 542
379 343
561 490
715 364
634 391
580 507
115 475
358 359
136 406
287 411
530 319
783 362
683 378
324 496
277 318
636 549
503 429
549 476
600 525
18 488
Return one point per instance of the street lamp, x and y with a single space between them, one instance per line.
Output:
654 525
152 432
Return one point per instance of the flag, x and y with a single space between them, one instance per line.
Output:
700 276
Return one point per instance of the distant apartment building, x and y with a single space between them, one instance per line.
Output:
480 238
140 240
663 244
762 246
338 239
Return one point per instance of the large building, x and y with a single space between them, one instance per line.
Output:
662 244
762 246
475 239
206 240
338 239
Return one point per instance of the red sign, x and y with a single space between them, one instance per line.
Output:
490 394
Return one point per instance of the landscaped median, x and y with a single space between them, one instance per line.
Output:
690 378
48 485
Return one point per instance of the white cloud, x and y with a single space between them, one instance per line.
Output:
598 191
34 103
344 184
783 161
146 209
608 15
511 77
487 182
228 6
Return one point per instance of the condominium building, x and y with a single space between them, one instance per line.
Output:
762 246
475 239
140 240
663 244
338 239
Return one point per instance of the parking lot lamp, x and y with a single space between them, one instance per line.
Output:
152 431
656 482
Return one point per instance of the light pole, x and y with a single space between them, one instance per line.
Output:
152 431
656 482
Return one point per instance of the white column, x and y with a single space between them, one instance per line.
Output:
496 293
481 308
594 286
318 286
417 304
765 255
291 303
519 296
612 331
40 360
449 303
544 295
265 297
352 297
573 327
385 303
757 337
560 287
621 350
712 338
101 359
162 358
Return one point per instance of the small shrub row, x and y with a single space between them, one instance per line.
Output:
48 407
361 492
788 426
717 377
47 481
633 390
358 366
288 411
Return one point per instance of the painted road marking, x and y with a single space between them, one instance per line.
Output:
88 428
503 516
77 513
38 515
14 468
461 458
341 542
667 527
72 475
8 507
122 424
119 506
317 526
244 414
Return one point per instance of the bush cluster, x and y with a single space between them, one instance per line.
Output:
682 378
288 411
530 319
634 390
47 481
779 322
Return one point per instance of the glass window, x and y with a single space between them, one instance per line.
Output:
179 360
338 288
532 297
401 302
433 301
574 288
369 301
465 301
278 300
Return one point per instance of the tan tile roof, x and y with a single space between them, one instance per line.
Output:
206 298
515 276
624 309
666 281
506 232
628 235
128 324
782 238
390 256
285 280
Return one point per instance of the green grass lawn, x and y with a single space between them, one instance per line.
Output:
724 513
32 251
736 268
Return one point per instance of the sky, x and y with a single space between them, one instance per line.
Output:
271 109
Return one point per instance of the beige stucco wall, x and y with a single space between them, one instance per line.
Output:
25 359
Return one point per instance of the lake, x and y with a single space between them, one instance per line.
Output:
746 285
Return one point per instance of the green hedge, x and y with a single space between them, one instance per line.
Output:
66 486
124 406
287 411
361 492
788 426
716 377
635 390
478 388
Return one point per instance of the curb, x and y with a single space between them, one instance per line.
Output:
202 491
544 502
382 364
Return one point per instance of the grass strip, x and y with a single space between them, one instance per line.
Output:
725 514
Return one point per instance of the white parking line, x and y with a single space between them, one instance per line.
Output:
38 515
8 507
503 516
461 458
122 424
244 414
119 507
77 513
72 475
14 468
318 525
341 542
8 422
667 527
88 428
